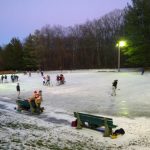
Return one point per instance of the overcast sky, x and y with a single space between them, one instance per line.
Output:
18 18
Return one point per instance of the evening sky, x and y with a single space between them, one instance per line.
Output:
19 18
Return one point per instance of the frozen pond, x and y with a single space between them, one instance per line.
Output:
87 91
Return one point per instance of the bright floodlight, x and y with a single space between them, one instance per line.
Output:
122 43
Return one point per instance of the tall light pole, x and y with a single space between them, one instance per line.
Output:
119 45
118 58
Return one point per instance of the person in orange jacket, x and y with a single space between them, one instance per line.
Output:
31 101
38 101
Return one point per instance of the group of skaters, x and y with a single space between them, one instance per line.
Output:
60 79
4 78
46 80
33 103
14 78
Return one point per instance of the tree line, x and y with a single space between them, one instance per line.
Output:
87 46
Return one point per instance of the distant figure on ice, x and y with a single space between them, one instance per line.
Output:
47 80
29 73
44 80
42 73
18 89
12 78
5 78
60 79
142 71
114 87
2 78
57 79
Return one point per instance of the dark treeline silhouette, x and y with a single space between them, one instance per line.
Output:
90 45
86 46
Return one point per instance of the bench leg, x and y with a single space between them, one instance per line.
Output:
79 123
108 131
31 108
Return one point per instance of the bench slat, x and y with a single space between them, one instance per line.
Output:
81 114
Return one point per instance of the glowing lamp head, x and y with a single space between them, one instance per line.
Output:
121 44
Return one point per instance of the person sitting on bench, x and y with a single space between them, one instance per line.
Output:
31 101
38 101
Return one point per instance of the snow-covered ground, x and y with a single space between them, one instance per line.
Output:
86 91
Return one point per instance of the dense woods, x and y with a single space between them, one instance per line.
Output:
86 46
137 32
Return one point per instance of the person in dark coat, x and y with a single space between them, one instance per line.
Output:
5 78
142 71
2 78
18 89
114 87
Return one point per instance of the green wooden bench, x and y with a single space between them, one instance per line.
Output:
94 122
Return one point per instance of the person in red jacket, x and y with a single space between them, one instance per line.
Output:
38 101
62 79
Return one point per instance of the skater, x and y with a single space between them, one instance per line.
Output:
29 73
142 71
57 79
18 90
47 80
44 80
114 87
61 79
2 78
5 77
12 78
42 73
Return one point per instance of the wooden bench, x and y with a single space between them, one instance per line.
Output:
94 122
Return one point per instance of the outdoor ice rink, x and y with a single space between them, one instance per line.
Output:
87 91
